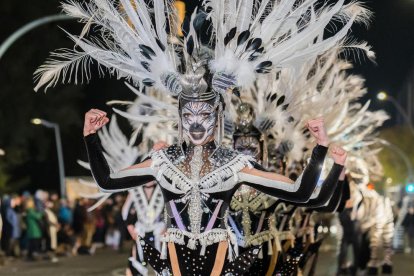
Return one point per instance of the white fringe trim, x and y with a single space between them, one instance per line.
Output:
215 178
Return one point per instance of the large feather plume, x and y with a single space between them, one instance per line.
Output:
124 40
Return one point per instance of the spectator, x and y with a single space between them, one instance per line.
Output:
79 220
34 231
52 227
64 213
408 224
12 230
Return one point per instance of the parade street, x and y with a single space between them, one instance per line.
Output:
108 262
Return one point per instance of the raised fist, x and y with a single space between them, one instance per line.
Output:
94 120
317 129
339 155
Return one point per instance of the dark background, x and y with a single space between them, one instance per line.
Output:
31 161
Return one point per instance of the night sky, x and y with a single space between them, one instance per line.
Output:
30 161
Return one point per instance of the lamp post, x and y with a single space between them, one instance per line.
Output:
55 126
383 96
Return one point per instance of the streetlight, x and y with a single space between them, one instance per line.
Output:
383 96
2 152
55 126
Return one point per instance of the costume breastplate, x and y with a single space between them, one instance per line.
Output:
197 175
149 211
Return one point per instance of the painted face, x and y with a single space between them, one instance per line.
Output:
249 145
275 159
198 120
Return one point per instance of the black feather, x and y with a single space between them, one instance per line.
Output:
264 67
253 57
273 98
285 107
268 97
256 54
185 27
243 37
146 66
230 35
148 82
199 20
263 70
253 44
146 55
281 100
190 45
162 47
147 49
236 92
291 119
260 50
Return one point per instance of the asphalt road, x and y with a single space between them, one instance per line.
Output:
111 263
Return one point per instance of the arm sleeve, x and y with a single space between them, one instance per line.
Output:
346 194
101 172
325 192
333 202
298 192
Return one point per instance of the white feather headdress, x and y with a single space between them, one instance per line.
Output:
132 40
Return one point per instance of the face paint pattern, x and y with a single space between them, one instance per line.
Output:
249 146
198 120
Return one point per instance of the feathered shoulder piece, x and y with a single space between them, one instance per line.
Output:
232 40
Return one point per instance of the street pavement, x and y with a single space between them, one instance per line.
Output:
111 263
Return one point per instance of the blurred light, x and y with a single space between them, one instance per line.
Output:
180 8
36 121
2 152
388 180
409 188
382 96
333 229
320 229
326 229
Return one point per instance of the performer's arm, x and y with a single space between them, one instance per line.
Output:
333 202
284 188
111 182
346 195
323 193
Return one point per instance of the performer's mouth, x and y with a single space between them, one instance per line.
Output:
197 131
197 135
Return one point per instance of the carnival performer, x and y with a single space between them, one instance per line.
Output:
197 175
143 209
198 180
251 216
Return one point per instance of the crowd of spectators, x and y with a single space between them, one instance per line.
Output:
44 226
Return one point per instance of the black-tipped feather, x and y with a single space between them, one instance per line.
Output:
273 98
264 67
243 37
190 45
236 92
146 66
281 100
199 21
230 35
146 49
162 47
146 55
148 82
253 44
